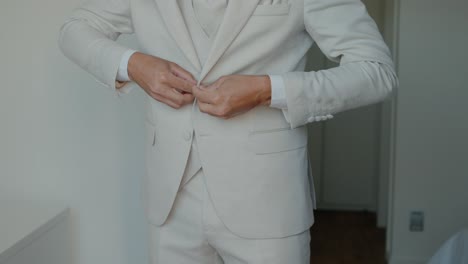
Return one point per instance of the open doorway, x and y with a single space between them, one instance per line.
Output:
351 164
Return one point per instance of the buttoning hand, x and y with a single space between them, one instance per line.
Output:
163 80
233 95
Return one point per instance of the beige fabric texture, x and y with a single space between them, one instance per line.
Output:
255 164
193 233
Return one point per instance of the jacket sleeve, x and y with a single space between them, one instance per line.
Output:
88 38
346 34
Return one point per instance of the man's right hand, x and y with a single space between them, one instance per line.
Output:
163 80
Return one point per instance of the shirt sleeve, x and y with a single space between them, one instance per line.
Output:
278 94
122 74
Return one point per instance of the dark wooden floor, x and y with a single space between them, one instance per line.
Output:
347 238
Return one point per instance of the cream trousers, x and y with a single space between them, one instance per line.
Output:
194 234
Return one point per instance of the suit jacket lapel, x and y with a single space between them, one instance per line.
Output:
236 16
172 16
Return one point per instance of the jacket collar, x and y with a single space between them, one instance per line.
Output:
236 16
175 24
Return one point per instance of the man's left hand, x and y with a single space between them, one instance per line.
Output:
233 95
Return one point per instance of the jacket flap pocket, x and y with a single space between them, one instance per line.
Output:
264 142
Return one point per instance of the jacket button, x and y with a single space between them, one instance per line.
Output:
311 119
188 135
329 116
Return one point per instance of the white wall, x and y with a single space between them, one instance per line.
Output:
431 172
65 138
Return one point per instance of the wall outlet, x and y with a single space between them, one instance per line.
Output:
416 221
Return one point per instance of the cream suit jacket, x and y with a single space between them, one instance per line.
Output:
255 164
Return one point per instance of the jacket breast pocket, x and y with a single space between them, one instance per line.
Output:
271 10
278 140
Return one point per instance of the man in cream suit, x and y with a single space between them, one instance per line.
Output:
228 100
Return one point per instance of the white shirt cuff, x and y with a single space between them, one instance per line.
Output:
278 93
122 74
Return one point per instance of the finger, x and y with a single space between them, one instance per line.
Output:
188 98
175 97
204 96
210 87
214 110
180 84
208 109
182 73
168 94
215 85
181 99
164 100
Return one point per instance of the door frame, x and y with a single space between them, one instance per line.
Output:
389 113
